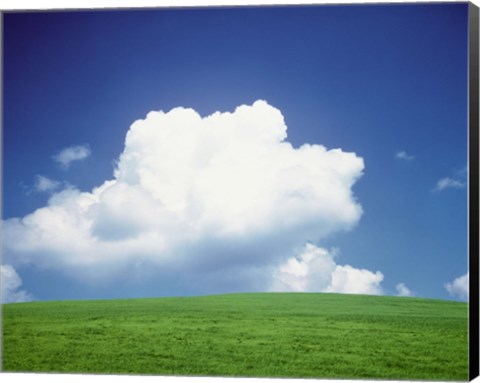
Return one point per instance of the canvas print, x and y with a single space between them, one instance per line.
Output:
255 191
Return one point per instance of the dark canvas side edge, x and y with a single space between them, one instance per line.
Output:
473 16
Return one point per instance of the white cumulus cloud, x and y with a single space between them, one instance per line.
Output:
403 290
458 287
195 196
73 153
314 270
11 282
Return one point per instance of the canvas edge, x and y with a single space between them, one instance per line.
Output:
473 116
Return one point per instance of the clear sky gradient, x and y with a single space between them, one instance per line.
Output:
387 82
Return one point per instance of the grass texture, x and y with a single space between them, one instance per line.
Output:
261 334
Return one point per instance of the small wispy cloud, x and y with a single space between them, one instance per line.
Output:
403 155
73 153
449 183
459 287
457 181
404 291
45 184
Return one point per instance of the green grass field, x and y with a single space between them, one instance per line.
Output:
263 334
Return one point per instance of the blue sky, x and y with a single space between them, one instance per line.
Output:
386 82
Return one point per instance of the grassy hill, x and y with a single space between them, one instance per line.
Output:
262 334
